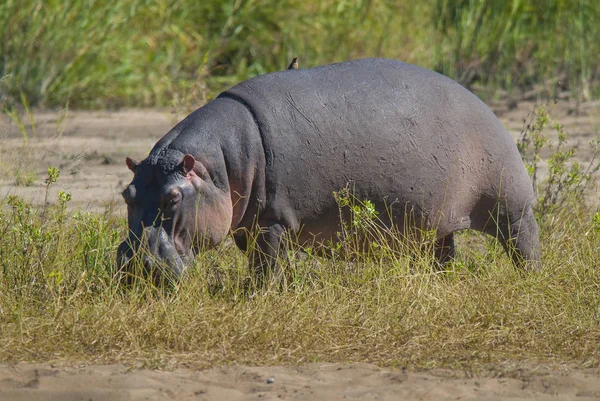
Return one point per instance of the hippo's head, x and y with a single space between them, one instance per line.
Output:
174 209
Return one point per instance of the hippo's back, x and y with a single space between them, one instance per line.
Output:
391 131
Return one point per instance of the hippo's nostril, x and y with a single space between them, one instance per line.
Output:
147 262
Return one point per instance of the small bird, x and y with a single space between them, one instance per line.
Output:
294 64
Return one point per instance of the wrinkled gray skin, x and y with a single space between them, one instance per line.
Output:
272 150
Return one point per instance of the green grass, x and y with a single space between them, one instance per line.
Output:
181 53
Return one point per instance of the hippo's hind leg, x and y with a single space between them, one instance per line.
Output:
523 243
444 249
518 234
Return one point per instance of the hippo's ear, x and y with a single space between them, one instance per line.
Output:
131 164
189 163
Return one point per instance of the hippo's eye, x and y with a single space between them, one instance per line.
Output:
129 194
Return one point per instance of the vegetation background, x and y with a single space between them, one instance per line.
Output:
58 295
96 54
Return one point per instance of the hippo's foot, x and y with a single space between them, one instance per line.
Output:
267 256
522 242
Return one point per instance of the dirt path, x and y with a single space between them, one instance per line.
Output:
90 148
312 382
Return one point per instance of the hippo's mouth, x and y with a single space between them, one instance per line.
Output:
155 252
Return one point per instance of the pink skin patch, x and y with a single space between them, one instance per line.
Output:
214 209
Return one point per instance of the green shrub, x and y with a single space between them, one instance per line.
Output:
568 181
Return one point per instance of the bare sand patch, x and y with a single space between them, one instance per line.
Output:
309 382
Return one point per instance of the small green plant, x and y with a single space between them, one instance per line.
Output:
25 177
363 213
358 223
567 179
53 174
532 136
63 199
365 234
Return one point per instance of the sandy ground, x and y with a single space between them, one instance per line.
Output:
89 148
310 382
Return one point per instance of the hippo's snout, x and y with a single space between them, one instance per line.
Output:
152 254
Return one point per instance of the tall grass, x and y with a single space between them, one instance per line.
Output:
162 52
520 43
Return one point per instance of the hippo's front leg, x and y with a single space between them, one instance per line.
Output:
269 247
444 249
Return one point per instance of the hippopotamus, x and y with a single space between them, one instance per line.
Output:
267 155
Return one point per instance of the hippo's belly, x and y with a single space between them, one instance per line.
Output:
395 134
